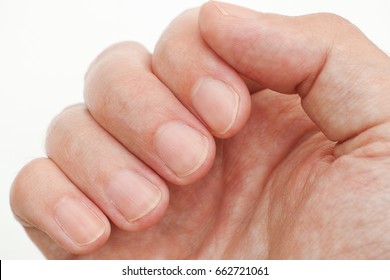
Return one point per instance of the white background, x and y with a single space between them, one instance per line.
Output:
47 45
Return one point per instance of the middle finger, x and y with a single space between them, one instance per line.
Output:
130 102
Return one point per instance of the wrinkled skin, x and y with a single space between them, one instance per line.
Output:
278 188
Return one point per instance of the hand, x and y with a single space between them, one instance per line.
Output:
289 175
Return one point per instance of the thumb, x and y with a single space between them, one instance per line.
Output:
342 78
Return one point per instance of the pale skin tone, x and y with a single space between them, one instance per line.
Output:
244 135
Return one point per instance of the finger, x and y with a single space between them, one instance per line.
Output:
42 197
125 189
340 75
131 103
200 79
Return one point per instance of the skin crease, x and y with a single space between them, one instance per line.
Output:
272 205
278 189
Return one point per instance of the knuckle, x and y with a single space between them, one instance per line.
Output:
115 72
109 57
112 52
64 119
331 17
336 24
63 126
176 48
25 184
188 13
174 37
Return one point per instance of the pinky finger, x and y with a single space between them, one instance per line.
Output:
43 198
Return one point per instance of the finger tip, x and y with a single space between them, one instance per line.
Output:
208 13
69 245
242 116
149 217
202 169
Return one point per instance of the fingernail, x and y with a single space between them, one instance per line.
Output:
235 11
78 221
181 148
133 195
216 103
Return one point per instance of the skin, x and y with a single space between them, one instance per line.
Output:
299 169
